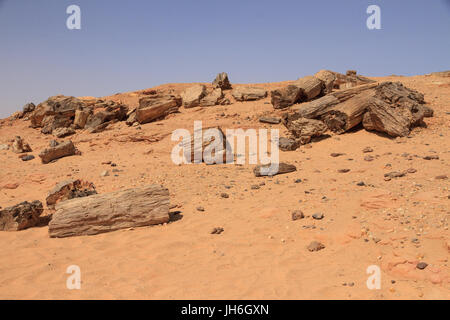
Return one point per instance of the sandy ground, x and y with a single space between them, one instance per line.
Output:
262 253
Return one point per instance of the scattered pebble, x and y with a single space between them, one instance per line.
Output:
297 215
422 265
315 246
318 216
217 230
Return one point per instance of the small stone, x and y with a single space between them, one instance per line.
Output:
431 157
255 187
367 150
441 177
315 246
297 215
422 265
298 181
361 184
369 158
318 216
224 195
411 170
27 157
336 154
343 170
104 173
217 230
200 209
270 120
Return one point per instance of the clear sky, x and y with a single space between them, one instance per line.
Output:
137 44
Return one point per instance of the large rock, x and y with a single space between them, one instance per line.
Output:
221 81
81 117
63 132
192 95
157 106
54 122
20 146
110 113
394 109
327 77
285 97
206 140
107 212
21 216
304 129
310 86
212 98
63 149
61 107
303 89
248 93
69 189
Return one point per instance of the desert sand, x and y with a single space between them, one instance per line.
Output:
262 252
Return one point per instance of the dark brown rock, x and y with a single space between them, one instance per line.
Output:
21 216
69 189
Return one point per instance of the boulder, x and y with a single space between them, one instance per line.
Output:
63 149
56 121
285 97
21 216
327 77
111 113
221 81
310 86
288 144
108 212
81 117
63 107
20 146
304 129
157 106
248 93
192 95
63 132
212 98
69 189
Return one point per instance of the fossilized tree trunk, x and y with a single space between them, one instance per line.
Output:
107 212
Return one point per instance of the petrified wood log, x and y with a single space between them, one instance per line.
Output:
394 109
21 216
349 113
266 169
63 149
157 106
102 213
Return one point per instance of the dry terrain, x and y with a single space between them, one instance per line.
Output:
262 253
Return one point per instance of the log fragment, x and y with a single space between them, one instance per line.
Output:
21 216
102 213
268 169
348 114
64 149
154 107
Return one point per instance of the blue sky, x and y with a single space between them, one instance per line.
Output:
137 44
